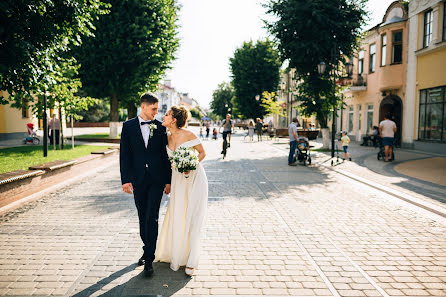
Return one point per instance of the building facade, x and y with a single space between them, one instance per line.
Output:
426 76
378 84
13 121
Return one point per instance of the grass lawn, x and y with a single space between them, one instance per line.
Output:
22 157
97 135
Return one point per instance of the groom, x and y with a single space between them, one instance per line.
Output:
145 172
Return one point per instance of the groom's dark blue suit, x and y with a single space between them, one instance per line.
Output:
149 170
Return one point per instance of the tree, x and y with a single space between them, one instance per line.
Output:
196 113
33 36
222 99
255 69
310 32
64 95
132 47
271 105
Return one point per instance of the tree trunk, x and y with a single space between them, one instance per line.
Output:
322 120
72 133
61 129
131 110
114 116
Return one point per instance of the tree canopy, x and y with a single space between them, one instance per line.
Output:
132 47
222 99
33 36
310 32
255 68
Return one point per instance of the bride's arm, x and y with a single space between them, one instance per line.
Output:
201 152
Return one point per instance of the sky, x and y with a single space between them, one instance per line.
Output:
211 30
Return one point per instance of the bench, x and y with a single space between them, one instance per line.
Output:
53 165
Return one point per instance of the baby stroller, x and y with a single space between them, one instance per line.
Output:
303 151
32 136
382 153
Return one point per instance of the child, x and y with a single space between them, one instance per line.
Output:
201 132
345 141
214 133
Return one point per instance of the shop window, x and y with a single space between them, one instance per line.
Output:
432 114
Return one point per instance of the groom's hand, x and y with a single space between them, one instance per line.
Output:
167 189
128 188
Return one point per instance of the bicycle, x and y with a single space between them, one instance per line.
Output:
225 148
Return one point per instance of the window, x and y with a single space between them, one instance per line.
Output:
25 110
359 117
361 62
372 60
427 36
369 116
397 47
350 118
383 49
432 114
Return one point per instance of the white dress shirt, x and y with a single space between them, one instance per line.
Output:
145 131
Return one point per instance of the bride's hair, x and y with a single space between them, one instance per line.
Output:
181 114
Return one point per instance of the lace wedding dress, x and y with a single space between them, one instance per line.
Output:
179 240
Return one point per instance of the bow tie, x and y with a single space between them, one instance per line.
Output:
148 123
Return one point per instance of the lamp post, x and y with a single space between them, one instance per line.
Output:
45 128
321 68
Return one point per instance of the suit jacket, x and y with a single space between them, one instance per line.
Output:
135 159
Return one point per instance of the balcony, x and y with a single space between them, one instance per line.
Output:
359 83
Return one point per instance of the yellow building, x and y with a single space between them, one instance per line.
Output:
13 121
379 76
426 76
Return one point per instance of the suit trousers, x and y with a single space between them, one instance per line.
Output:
147 200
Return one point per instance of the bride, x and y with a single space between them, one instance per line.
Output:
179 241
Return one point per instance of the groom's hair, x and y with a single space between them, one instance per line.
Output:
149 98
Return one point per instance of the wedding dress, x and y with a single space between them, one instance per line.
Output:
179 240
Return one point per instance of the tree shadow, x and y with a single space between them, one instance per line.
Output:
164 281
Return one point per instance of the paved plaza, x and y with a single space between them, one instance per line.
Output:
271 230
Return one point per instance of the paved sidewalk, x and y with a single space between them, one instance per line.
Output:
271 230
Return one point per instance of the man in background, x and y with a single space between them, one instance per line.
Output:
292 132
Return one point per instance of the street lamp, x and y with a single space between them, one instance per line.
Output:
257 97
321 68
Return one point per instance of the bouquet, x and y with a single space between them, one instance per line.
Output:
184 159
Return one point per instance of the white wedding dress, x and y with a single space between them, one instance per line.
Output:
179 240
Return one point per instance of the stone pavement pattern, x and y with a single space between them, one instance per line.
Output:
271 230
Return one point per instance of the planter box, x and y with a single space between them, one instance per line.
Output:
19 184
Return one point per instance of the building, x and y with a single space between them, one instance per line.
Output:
168 97
13 121
425 113
379 76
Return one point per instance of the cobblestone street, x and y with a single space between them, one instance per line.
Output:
272 229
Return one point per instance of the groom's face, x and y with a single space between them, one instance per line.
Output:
149 111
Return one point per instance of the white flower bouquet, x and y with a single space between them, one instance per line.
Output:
184 159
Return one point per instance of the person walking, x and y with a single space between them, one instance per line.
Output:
387 130
208 129
54 127
251 128
146 172
292 132
345 141
259 129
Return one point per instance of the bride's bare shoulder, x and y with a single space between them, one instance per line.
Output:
189 135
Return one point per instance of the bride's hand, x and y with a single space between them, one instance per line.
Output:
187 172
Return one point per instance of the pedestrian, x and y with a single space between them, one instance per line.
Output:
345 141
54 127
251 128
208 129
201 132
214 134
387 130
259 129
292 132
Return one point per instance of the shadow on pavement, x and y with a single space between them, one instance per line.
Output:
164 282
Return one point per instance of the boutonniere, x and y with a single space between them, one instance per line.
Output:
152 127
